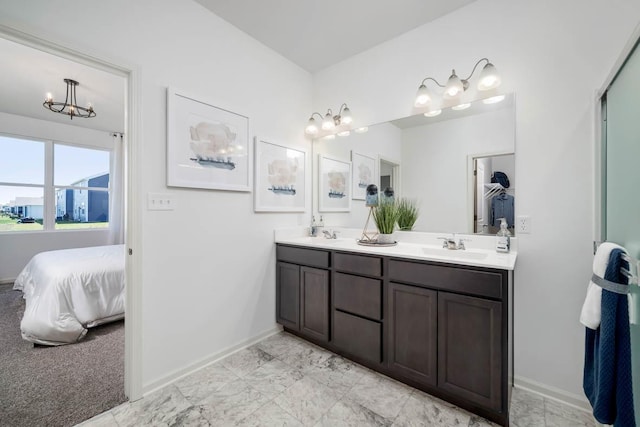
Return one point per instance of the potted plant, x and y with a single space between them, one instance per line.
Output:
408 212
385 216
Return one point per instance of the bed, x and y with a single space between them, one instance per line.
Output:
67 291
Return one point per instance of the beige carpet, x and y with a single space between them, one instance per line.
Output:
56 386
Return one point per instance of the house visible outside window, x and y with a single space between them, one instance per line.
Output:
47 185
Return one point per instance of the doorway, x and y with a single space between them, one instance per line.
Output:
389 175
131 153
494 192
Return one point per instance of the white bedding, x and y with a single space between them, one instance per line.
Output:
67 291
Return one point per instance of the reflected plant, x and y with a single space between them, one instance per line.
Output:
408 212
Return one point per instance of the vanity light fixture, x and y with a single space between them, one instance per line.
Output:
70 105
489 79
329 121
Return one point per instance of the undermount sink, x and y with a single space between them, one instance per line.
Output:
459 253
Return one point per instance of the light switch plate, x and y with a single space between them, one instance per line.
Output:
160 202
523 224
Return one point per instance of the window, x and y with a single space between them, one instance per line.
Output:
45 185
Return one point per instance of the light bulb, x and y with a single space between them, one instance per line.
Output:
346 116
423 96
493 99
432 113
311 128
489 78
328 123
49 97
461 107
454 86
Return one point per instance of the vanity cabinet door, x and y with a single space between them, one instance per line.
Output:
314 303
413 332
288 295
469 348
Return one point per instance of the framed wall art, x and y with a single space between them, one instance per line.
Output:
334 185
207 146
364 173
280 173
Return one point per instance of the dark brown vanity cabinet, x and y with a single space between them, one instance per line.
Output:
302 292
356 308
440 327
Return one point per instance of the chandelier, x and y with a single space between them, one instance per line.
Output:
70 105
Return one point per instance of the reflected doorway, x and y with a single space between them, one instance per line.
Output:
494 193
389 175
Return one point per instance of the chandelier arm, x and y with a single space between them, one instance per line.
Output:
475 66
434 80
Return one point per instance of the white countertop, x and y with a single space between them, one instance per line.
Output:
479 252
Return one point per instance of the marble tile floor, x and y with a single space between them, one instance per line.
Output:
286 381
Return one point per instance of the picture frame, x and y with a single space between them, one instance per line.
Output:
363 174
280 177
207 146
334 185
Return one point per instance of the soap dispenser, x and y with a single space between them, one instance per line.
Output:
313 229
320 226
503 238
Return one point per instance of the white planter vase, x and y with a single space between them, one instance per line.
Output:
385 238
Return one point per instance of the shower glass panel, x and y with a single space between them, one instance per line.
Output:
621 198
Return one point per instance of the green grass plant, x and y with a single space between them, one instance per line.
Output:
385 216
408 212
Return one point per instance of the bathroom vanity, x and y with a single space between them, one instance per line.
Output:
438 321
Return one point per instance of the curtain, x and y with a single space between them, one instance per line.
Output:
116 182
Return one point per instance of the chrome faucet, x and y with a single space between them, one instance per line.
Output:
330 234
450 243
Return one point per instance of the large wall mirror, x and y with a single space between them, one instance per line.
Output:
445 163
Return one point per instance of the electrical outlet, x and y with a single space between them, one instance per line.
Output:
523 224
159 202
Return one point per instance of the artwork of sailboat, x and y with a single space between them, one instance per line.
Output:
214 145
364 175
337 185
282 175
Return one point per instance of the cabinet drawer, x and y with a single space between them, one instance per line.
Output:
357 336
358 295
457 279
359 264
302 256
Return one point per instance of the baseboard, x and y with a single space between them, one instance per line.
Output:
181 373
7 281
544 390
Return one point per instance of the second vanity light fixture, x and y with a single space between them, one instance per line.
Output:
455 87
330 121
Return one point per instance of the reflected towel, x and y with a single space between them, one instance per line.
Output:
591 309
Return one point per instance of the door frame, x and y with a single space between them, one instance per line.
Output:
133 235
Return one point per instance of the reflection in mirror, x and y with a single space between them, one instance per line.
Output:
494 193
434 159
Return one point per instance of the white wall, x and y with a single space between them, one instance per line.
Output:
382 140
19 247
435 167
553 55
208 266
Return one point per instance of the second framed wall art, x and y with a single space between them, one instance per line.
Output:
280 178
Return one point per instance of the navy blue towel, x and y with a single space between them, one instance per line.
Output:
607 358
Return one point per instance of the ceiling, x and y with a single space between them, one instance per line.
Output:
317 34
313 35
29 74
